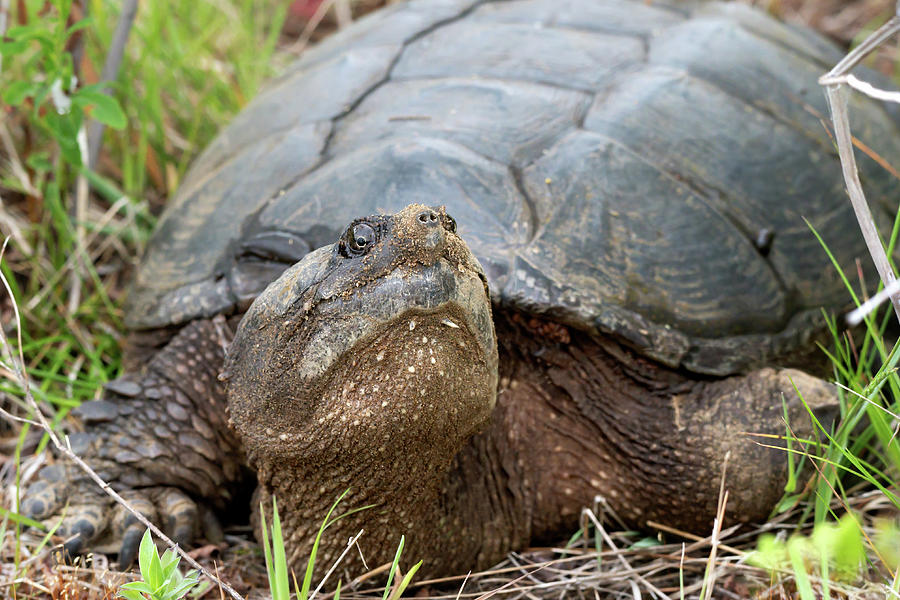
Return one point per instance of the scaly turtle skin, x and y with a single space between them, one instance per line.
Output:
633 180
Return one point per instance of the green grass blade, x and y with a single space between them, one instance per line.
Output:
407 579
267 553
795 554
278 555
311 562
21 519
394 566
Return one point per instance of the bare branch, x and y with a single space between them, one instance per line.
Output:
837 100
854 57
856 316
863 86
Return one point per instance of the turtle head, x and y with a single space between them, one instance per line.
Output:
376 348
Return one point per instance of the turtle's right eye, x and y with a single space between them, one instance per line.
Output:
449 223
358 238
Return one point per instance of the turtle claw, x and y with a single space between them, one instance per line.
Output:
180 513
127 529
131 543
43 499
177 512
90 520
80 532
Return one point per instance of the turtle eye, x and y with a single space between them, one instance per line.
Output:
449 223
359 238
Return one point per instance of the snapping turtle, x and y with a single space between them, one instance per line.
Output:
632 181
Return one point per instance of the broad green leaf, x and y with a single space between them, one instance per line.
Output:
155 578
85 22
12 48
169 563
145 556
138 586
101 107
16 92
182 589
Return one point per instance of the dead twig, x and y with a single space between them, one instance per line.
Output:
598 527
836 82
855 56
350 544
709 580
837 100
693 537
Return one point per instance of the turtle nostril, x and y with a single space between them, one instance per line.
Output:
428 218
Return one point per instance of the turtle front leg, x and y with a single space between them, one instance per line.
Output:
727 428
160 438
593 418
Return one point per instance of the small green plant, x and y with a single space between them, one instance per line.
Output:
277 567
833 552
161 578
50 91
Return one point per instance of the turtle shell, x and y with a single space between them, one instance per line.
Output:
649 171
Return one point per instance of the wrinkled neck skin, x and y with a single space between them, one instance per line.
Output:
394 437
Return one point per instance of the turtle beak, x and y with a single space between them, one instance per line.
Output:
429 221
422 232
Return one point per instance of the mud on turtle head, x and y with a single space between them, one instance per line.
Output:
384 335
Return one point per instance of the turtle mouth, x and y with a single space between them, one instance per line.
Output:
420 288
342 323
417 287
